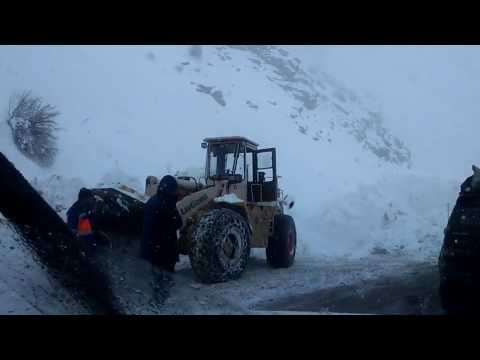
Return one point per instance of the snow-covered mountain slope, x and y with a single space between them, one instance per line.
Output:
322 104
426 93
132 111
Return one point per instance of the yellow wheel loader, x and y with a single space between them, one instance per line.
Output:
236 207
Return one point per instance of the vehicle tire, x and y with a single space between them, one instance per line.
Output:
220 246
282 246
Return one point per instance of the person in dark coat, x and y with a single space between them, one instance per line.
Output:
160 224
81 220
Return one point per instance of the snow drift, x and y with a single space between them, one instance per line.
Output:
132 111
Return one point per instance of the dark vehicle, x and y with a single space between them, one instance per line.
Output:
459 261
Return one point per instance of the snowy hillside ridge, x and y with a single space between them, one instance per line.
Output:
321 104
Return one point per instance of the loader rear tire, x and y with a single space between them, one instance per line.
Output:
220 246
282 246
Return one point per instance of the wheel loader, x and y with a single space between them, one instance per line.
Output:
237 206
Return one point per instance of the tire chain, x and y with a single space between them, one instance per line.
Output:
206 242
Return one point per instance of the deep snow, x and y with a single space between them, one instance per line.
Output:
132 111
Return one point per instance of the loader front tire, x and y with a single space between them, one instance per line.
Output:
220 246
282 246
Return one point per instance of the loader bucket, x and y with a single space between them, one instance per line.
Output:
119 216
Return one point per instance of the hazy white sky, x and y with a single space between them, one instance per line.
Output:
429 94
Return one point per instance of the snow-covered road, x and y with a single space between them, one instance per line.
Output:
414 292
311 285
261 285
25 286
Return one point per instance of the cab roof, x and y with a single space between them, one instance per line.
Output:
230 139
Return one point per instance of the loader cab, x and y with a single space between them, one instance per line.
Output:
239 161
